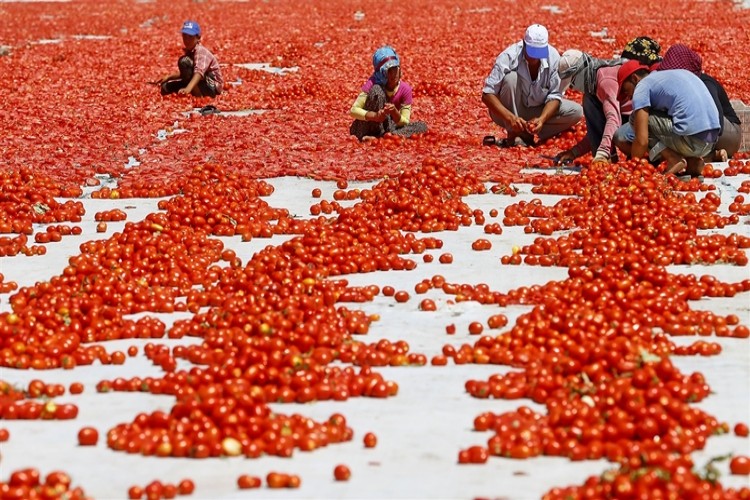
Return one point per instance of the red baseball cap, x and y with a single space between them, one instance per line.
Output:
625 71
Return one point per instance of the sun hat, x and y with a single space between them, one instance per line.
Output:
191 28
569 62
625 71
536 40
643 49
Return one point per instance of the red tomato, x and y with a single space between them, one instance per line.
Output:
342 473
88 436
740 465
370 440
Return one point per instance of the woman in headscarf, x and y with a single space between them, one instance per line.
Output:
680 56
384 102
596 79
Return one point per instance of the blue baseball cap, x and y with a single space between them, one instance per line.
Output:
191 28
536 41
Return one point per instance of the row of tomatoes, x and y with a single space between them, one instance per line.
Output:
273 327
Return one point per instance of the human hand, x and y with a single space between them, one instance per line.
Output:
183 91
390 110
517 124
600 159
534 125
376 116
566 156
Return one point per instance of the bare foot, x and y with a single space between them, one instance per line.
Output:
721 155
369 138
676 168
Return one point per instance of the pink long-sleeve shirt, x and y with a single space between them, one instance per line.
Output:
606 92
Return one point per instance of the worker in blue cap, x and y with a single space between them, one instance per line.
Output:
200 74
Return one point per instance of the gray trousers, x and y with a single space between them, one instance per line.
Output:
730 139
510 95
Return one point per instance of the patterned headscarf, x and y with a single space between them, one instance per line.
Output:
382 60
643 49
680 56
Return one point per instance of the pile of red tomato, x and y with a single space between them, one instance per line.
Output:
594 350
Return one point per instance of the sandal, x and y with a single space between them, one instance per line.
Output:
209 110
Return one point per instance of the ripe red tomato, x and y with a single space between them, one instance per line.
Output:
401 296
88 436
445 258
475 328
246 482
342 473
370 440
427 305
186 487
741 429
740 465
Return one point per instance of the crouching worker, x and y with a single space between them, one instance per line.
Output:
674 118
200 75
384 102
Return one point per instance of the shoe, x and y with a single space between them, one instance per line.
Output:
209 110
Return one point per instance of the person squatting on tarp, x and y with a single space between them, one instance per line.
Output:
385 100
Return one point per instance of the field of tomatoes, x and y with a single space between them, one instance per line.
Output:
218 306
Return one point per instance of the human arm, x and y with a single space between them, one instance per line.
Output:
167 78
506 62
188 89
640 127
516 123
606 92
400 117
358 111
580 149
551 107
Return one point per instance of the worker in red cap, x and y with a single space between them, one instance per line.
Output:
674 118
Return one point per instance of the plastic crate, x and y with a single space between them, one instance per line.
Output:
743 113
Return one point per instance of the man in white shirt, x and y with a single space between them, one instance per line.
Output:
522 93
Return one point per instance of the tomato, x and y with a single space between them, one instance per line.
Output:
246 481
740 465
427 305
187 486
370 440
88 436
276 480
475 328
342 473
740 429
445 258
